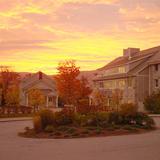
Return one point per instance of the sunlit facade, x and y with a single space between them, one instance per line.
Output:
135 74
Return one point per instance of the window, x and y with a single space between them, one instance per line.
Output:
50 99
129 82
156 67
121 83
110 84
101 84
121 70
156 82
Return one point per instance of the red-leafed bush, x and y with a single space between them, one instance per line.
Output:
85 109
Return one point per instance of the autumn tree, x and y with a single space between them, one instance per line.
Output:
84 91
100 98
70 88
8 78
12 97
36 98
84 88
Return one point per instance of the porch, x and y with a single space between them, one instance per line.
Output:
51 99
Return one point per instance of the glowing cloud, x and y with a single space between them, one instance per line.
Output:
36 35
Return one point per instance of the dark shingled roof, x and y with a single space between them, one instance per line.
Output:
124 59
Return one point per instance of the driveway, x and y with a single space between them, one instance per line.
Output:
128 147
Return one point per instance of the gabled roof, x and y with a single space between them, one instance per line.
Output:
143 58
110 77
126 60
36 78
38 74
116 62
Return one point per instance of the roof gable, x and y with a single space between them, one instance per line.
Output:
37 78
39 84
127 60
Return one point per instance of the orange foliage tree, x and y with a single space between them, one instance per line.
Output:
12 96
70 88
8 79
85 90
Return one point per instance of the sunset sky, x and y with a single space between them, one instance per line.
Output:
37 34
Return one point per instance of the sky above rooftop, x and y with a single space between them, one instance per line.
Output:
37 34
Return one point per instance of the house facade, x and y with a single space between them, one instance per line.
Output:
43 83
136 74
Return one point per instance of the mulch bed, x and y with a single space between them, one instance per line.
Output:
73 132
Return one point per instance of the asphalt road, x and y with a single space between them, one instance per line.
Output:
128 147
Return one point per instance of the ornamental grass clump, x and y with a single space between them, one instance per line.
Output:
37 124
46 117
43 119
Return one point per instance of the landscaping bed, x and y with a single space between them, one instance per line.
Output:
68 124
82 132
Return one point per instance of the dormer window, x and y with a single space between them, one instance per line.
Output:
156 67
121 70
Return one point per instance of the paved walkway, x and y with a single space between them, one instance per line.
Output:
131 147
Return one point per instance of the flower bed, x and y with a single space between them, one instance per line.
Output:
67 124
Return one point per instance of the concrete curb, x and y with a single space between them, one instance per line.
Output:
15 119
155 115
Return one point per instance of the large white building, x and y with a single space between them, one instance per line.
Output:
136 74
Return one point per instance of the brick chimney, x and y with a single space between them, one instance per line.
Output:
40 75
130 52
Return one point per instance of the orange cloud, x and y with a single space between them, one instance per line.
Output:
36 35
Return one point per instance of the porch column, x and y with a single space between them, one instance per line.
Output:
90 100
47 102
56 101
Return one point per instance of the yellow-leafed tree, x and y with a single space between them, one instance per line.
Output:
36 98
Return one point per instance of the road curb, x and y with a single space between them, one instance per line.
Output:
15 119
154 115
